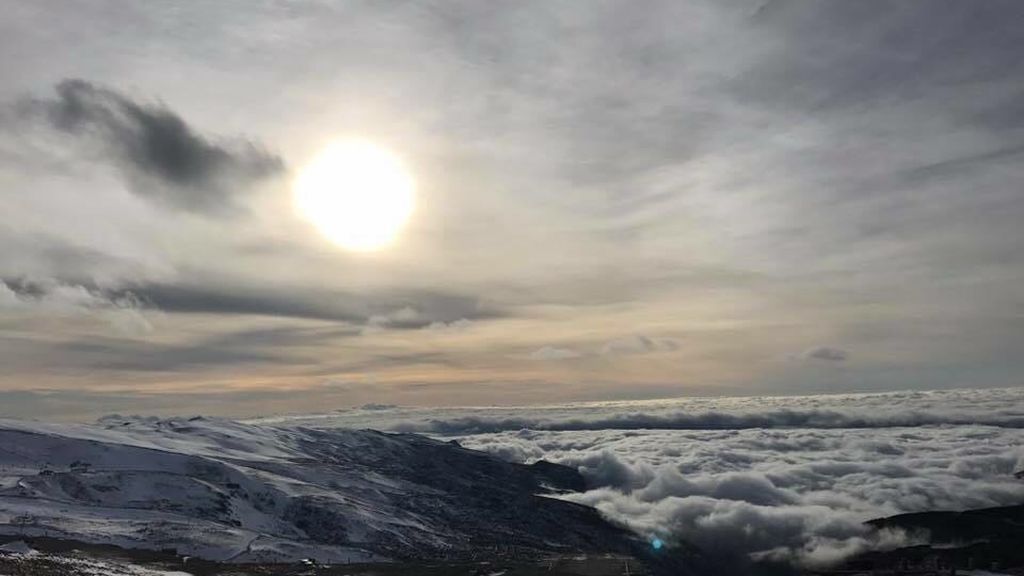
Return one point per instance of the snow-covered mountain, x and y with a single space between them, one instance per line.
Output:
237 492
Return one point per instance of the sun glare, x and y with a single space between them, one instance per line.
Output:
357 194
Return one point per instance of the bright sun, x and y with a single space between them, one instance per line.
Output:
357 194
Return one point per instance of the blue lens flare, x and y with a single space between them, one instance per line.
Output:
657 543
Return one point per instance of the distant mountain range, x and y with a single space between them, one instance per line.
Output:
227 491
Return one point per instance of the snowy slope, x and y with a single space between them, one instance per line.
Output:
239 492
18 558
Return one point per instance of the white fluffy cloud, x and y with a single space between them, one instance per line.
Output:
453 326
553 353
789 494
379 322
124 313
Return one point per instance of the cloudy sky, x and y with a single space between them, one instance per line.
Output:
613 201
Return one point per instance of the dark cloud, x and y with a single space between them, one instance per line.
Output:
827 354
166 159
120 355
226 300
396 309
639 344
408 309
279 346
299 347
377 406
129 349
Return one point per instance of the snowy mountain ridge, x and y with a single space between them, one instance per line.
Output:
228 491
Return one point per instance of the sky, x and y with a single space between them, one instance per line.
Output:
613 201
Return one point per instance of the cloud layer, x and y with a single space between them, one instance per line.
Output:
1001 408
795 494
777 485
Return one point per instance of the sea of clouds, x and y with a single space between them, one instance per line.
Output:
784 478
